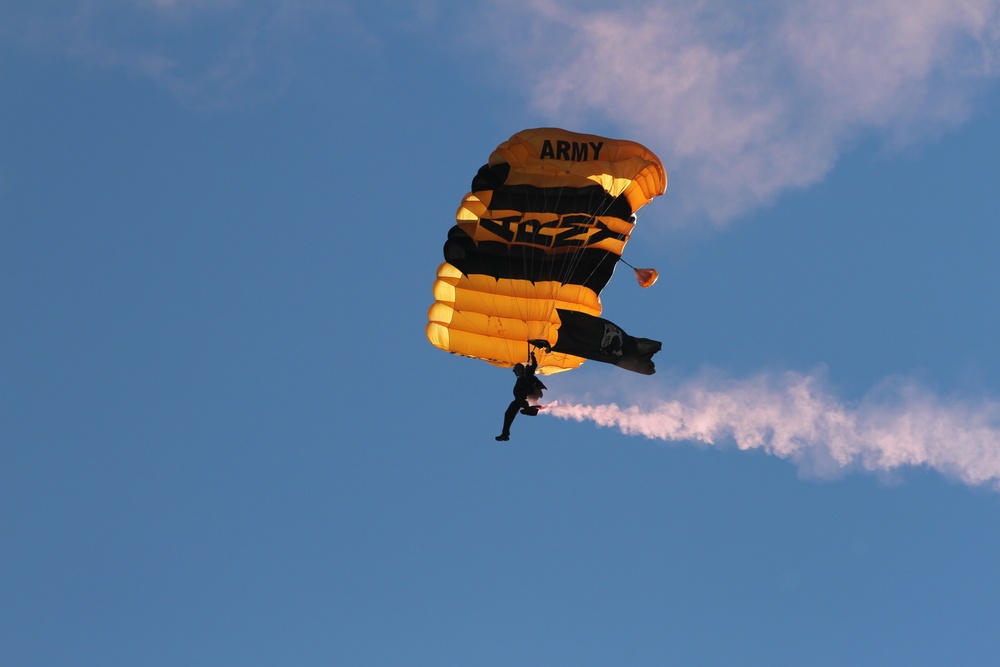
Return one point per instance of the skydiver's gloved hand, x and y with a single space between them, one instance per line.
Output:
539 343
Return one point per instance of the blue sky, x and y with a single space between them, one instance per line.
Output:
226 441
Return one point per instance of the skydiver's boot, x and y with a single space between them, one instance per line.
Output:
503 437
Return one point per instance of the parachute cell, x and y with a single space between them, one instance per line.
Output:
540 233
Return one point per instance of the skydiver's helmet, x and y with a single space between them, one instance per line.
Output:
518 370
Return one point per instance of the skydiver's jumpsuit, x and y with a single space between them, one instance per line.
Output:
526 386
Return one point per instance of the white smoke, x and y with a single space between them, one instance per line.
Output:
793 417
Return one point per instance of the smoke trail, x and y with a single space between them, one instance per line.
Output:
791 416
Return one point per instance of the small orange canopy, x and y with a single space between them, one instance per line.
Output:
646 277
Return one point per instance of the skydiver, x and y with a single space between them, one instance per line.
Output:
527 386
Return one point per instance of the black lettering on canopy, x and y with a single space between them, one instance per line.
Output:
572 231
529 232
569 231
502 227
573 151
604 232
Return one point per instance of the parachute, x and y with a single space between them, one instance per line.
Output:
535 242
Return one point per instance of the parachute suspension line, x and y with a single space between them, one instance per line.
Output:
599 208
516 287
515 299
545 271
561 267
563 264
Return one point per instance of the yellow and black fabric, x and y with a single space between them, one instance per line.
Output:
541 231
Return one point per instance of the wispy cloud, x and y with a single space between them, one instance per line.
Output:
794 416
207 53
746 103
743 105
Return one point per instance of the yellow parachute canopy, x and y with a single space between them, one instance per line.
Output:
541 231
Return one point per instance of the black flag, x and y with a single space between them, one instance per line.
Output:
598 339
